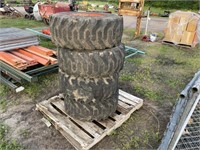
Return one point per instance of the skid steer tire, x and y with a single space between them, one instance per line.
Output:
86 89
86 30
98 110
91 64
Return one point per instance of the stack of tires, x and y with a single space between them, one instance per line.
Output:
90 56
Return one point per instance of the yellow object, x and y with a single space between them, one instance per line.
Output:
182 28
132 8
192 25
85 2
187 38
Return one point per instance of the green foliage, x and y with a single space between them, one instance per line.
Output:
5 144
165 4
171 4
34 89
47 43
3 104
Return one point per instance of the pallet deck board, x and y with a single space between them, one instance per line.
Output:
178 45
84 135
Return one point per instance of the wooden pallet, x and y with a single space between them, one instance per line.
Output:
84 135
178 45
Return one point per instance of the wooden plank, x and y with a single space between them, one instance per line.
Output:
44 110
90 127
78 137
125 100
125 105
130 97
108 123
61 122
129 12
121 109
70 126
48 124
116 116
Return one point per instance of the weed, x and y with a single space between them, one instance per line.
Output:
113 132
135 141
3 104
3 90
47 43
35 88
5 144
126 78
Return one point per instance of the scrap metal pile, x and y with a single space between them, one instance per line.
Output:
183 130
12 38
21 59
9 10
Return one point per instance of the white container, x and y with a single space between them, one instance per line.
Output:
36 12
153 37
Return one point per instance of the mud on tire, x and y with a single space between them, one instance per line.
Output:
88 89
86 31
91 64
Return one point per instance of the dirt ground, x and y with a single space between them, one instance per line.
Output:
26 127
143 130
157 77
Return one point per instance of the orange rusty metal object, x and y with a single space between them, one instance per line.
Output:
46 10
13 60
46 31
30 61
52 60
39 59
40 50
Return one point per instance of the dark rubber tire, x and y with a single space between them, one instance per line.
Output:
88 89
86 30
98 110
91 64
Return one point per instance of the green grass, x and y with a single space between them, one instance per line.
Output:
5 144
3 90
162 73
35 88
6 22
135 134
3 104
47 43
157 77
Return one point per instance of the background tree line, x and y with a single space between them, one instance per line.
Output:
168 4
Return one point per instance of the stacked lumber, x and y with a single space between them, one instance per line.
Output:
25 57
182 29
13 38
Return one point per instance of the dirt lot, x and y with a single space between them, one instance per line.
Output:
157 77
